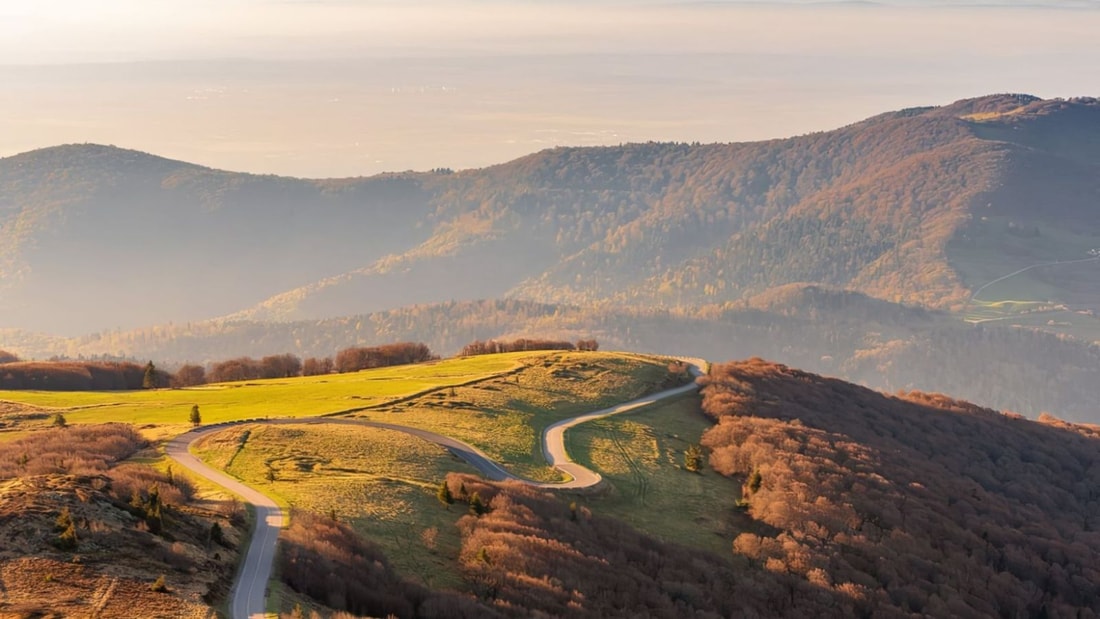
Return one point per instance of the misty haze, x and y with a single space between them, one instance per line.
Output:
625 308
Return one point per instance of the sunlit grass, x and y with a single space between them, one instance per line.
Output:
383 482
641 456
290 397
505 416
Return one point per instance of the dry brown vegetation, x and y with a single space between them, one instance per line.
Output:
287 365
71 375
84 536
76 450
537 554
492 347
328 562
364 358
911 504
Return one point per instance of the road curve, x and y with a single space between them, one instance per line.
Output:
553 437
249 593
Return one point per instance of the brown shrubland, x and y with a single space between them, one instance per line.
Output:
918 503
74 450
325 560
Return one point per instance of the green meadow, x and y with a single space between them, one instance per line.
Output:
382 482
290 397
505 416
641 457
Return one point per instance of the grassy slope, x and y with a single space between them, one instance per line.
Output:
382 481
290 397
641 455
505 416
1029 298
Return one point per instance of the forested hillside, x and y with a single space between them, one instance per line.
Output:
912 504
922 206
133 239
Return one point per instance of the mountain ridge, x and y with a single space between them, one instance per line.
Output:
920 206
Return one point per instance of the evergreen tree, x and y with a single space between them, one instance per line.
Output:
444 494
477 506
66 540
149 381
196 417
59 421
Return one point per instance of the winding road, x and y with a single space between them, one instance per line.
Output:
249 593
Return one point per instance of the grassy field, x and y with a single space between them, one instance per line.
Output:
505 416
290 397
993 250
383 482
641 455
999 246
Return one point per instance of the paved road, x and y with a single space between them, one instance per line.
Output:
979 289
250 591
553 437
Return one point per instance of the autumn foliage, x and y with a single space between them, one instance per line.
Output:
71 375
327 561
74 450
492 347
364 358
911 504
536 554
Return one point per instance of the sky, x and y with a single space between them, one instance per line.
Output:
343 88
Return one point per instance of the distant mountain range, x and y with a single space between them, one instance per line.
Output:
919 206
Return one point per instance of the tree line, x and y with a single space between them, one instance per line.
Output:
288 365
73 375
492 347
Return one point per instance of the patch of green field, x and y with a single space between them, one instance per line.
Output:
383 482
994 310
505 416
997 246
641 456
290 397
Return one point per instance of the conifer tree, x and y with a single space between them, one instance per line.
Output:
149 381
444 494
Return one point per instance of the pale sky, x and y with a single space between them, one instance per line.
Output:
335 88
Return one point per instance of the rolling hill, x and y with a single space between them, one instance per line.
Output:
810 496
923 206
